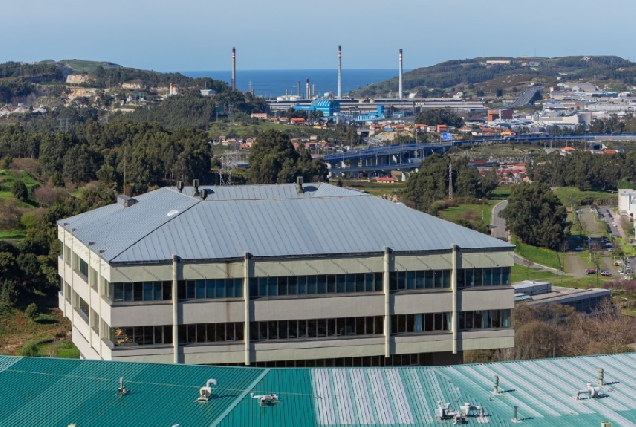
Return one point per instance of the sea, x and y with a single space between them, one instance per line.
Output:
273 83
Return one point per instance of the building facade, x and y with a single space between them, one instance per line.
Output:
280 275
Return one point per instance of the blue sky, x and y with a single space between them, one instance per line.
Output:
193 35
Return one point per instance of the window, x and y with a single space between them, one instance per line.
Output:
487 276
484 319
439 279
447 279
505 276
351 282
429 279
83 268
190 289
410 280
496 276
148 291
200 288
321 284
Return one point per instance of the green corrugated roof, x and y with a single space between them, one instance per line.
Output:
57 392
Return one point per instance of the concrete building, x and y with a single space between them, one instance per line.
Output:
292 273
583 300
627 202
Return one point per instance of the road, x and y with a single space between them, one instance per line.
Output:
497 224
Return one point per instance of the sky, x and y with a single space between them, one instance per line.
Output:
198 35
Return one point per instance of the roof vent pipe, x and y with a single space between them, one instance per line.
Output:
204 194
601 377
195 184
299 184
180 186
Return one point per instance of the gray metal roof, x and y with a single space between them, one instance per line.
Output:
266 221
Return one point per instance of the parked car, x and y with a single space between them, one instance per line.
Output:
579 248
590 271
605 273
617 263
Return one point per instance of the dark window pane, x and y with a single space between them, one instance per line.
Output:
322 284
359 282
429 322
487 273
238 331
401 280
331 284
190 289
220 331
157 291
200 289
262 286
419 280
272 327
292 285
229 288
351 326
378 282
118 292
410 280
341 283
368 325
148 335
322 328
282 329
272 286
439 321
302 329
351 283
302 285
447 279
341 325
495 318
478 277
477 320
429 279
229 332
469 277
359 325
331 327
238 288
262 331
211 334
219 285
209 288
253 287
181 289
253 331
368 280
183 334
410 323
394 324
469 320
159 334
282 285
462 320
496 276
311 284
201 331
192 333
393 281
379 325
128 291
439 278
148 291
460 279
402 323
312 328
167 334
292 329
447 322
505 276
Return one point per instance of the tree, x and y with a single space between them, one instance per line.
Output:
20 190
439 117
57 180
536 216
273 159
499 93
31 311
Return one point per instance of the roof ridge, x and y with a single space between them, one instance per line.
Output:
155 229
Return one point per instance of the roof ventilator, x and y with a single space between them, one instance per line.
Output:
601 377
496 391
443 412
515 418
205 392
204 194
122 390
180 186
299 185
265 400
125 201
592 392
195 184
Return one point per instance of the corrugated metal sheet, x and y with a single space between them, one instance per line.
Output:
55 392
331 221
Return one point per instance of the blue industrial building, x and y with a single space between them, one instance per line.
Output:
328 107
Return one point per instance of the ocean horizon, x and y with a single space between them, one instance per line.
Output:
273 83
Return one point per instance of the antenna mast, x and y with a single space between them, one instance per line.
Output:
124 173
450 181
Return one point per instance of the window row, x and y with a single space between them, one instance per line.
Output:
484 319
311 285
394 360
316 328
188 334
429 322
483 277
186 289
403 280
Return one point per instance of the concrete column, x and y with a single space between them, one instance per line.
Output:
454 319
387 302
246 297
72 276
100 292
175 310
64 268
90 299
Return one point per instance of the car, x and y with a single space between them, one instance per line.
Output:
579 248
590 271
610 250
605 273
617 263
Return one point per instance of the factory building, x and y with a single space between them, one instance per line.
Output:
280 275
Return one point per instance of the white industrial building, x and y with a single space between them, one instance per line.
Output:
627 202
280 275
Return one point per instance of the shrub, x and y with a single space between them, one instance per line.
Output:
6 162
31 311
20 190
57 180
8 293
30 349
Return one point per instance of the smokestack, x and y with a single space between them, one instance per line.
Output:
171 89
307 90
313 90
339 72
400 77
299 88
233 68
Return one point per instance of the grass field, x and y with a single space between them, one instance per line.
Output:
576 197
501 193
483 211
521 272
8 177
541 256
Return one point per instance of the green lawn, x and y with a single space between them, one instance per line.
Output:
375 188
521 272
541 256
572 195
501 192
483 211
12 234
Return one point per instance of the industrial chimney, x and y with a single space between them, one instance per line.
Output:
400 77
233 68
298 88
339 72
307 90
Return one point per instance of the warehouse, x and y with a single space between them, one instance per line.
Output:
280 275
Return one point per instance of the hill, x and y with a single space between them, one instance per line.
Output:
474 76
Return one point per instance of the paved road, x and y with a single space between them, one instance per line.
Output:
498 225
